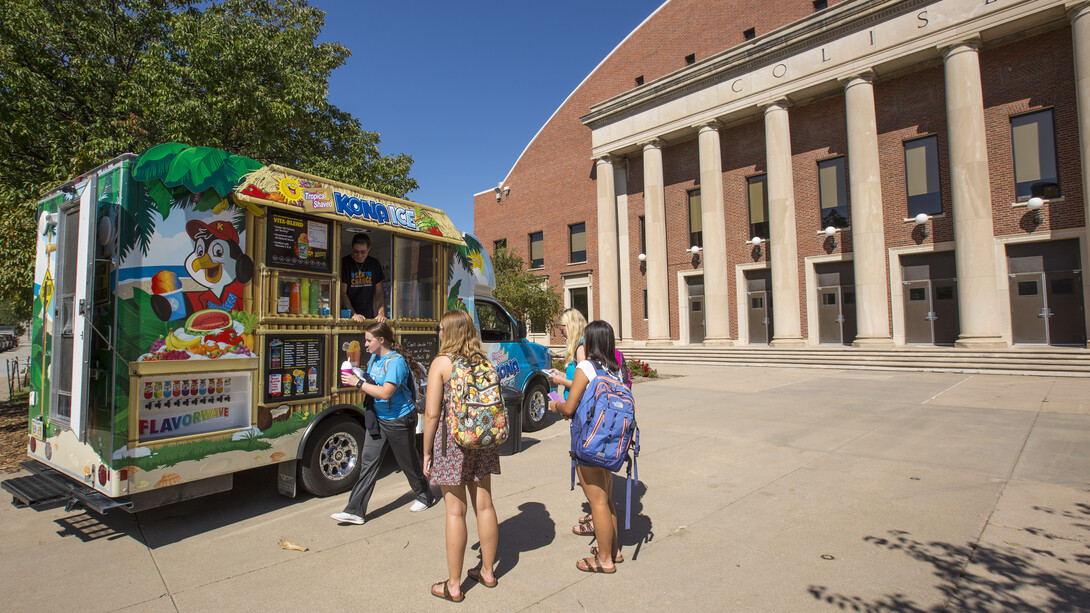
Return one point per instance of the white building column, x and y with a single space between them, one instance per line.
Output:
654 213
714 229
609 296
1080 43
624 242
868 231
783 246
971 200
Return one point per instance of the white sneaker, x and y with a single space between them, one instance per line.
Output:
347 518
419 506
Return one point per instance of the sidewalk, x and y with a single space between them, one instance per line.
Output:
762 489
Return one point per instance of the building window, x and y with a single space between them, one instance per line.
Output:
639 80
537 250
499 244
750 34
758 206
690 59
833 192
643 235
1034 140
696 234
577 241
922 176
820 5
645 304
579 298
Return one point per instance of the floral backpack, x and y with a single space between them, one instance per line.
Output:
475 415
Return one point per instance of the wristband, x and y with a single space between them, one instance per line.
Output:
359 384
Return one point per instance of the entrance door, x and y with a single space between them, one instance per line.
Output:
836 303
918 315
695 286
759 306
930 298
1046 293
1063 297
1028 313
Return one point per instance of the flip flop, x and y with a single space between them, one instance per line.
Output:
592 565
617 559
475 574
586 519
586 529
446 592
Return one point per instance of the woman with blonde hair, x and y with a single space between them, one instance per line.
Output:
572 324
457 470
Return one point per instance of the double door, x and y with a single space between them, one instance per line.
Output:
836 303
1046 308
931 312
759 306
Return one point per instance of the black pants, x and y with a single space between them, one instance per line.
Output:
400 435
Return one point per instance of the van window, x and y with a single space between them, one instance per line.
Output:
496 326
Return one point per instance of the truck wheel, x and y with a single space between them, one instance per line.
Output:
535 405
331 462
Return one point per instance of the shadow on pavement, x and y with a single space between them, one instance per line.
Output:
533 528
986 578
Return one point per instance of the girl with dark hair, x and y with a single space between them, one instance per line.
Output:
454 469
597 482
389 369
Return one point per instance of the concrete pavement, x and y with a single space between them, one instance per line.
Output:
762 489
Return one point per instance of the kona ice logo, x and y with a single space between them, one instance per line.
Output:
506 367
378 212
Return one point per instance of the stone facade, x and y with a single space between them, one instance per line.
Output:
855 80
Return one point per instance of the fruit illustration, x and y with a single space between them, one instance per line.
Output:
204 321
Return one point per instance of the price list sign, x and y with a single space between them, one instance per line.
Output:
294 367
298 243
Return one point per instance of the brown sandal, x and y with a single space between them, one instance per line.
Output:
586 529
475 574
586 519
617 559
446 595
592 565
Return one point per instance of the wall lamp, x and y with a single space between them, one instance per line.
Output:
756 242
830 236
1034 204
643 261
921 221
499 189
695 252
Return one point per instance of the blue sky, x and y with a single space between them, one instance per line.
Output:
464 86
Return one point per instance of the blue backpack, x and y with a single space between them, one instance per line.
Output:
603 430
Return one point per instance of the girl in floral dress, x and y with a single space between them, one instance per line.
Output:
454 469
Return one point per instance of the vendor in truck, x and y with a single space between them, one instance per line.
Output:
361 282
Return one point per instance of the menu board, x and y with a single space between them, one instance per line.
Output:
294 367
298 243
423 347
184 405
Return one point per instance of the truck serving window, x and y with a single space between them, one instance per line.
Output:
415 279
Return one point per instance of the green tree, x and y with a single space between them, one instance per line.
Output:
82 81
526 295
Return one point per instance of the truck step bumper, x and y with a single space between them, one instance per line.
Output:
47 488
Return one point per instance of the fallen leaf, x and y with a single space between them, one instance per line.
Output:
286 544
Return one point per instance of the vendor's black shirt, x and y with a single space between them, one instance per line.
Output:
361 280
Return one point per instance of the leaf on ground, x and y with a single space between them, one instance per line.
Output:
286 544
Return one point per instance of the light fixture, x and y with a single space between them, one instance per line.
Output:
499 188
506 190
756 242
695 251
921 221
643 261
1034 204
830 234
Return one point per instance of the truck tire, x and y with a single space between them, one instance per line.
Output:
331 461
535 406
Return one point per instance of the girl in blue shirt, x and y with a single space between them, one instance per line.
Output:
389 369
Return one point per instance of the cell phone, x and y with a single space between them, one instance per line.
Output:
555 396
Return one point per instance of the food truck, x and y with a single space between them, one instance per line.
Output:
188 325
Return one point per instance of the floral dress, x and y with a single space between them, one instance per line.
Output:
459 465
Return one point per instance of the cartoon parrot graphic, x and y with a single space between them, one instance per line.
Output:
218 263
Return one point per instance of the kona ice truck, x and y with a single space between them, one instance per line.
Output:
187 326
